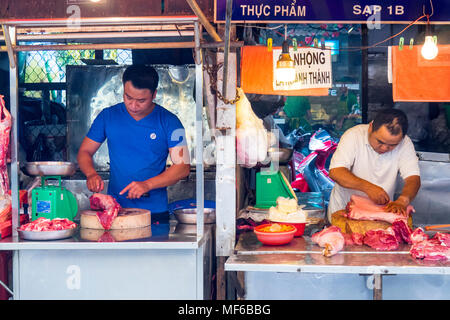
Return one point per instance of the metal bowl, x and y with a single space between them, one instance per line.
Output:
280 154
189 216
50 168
46 235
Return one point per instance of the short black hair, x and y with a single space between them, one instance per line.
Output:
395 121
141 76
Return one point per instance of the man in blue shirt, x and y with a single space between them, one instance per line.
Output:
140 136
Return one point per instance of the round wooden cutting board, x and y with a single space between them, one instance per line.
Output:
116 234
359 226
126 219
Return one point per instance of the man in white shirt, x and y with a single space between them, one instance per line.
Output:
368 159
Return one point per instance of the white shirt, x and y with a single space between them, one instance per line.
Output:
355 153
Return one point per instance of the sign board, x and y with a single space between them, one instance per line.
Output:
333 11
312 69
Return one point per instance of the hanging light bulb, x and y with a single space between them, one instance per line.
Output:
285 70
429 49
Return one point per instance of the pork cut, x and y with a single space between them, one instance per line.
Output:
443 238
402 231
107 207
362 208
381 239
331 239
432 250
418 235
45 224
5 129
353 239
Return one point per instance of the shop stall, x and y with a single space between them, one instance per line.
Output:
92 264
299 269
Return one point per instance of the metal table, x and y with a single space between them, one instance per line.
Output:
175 266
298 270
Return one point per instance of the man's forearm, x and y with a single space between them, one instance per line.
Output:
410 190
346 179
86 164
170 176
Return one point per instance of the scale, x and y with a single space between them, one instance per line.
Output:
52 201
270 185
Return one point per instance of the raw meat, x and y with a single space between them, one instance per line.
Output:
353 239
402 231
380 239
108 208
251 135
418 235
348 239
331 239
5 129
358 239
430 250
443 238
44 224
362 208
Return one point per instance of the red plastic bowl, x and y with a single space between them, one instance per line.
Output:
299 226
274 238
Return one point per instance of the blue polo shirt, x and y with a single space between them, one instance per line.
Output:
138 150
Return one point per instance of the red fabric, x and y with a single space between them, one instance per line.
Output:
417 79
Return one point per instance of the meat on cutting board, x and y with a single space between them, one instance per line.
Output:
107 206
362 208
5 129
331 239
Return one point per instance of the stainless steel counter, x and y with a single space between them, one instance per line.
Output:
76 268
301 255
298 270
174 240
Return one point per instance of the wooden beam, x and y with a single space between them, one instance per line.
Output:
203 20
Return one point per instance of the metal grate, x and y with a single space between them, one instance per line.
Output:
43 138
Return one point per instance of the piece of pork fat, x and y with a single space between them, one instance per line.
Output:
108 206
380 239
418 235
362 208
331 239
430 250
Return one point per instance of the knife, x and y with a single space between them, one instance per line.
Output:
437 226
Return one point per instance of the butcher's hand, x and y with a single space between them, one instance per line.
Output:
136 189
95 183
397 206
377 194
